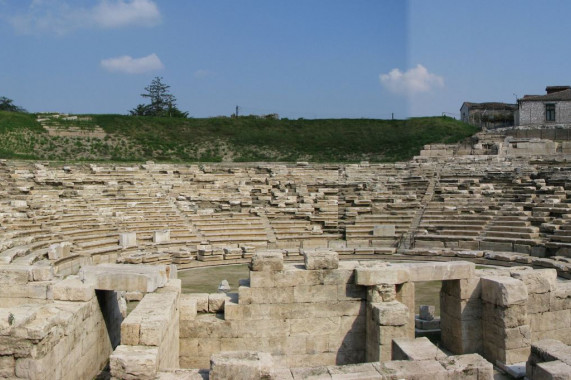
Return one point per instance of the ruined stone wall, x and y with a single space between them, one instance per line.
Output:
303 315
555 134
66 338
150 336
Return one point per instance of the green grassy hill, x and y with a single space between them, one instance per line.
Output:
129 138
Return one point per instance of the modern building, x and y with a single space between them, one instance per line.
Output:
552 108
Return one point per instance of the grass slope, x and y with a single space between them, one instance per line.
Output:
244 139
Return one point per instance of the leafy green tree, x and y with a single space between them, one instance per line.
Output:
8 105
162 102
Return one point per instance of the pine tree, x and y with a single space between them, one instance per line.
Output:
163 103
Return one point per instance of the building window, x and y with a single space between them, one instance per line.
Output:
550 112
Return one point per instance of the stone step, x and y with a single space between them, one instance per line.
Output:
510 235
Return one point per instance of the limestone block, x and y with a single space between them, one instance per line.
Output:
505 317
127 277
381 293
267 261
249 295
409 369
18 204
390 313
317 326
187 307
384 230
553 320
162 236
549 350
469 366
538 302
183 374
320 259
317 373
59 250
470 254
517 337
503 291
364 371
128 239
42 271
315 293
556 370
463 289
389 275
15 274
7 367
240 365
216 302
73 289
201 301
134 362
455 270
415 349
538 280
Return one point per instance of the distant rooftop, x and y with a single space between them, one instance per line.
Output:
491 106
563 94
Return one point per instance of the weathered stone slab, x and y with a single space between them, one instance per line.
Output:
361 371
384 230
241 365
267 261
469 366
216 302
416 349
390 275
73 289
134 362
320 259
390 313
456 270
127 277
537 281
410 369
503 291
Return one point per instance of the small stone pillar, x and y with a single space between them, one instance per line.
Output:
128 239
505 325
59 250
162 236
461 316
385 322
388 313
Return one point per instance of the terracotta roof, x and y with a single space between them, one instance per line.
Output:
559 95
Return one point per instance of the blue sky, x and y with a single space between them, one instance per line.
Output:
298 58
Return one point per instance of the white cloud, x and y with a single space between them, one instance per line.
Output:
129 65
118 13
412 81
63 16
